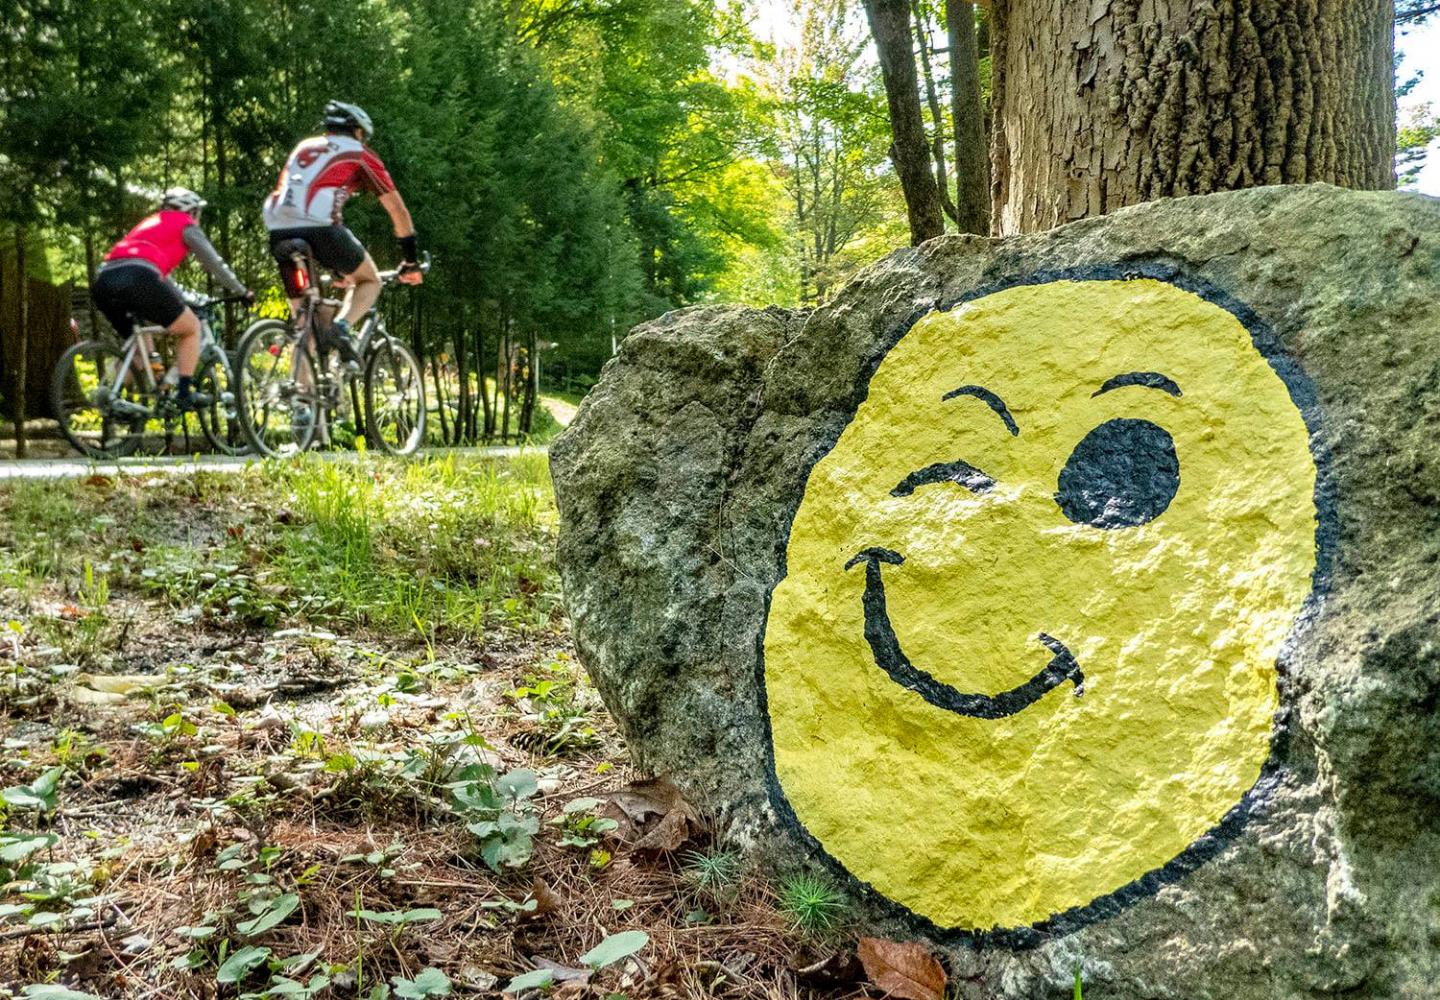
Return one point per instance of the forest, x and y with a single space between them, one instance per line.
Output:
574 166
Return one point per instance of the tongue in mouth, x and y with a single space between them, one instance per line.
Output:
891 659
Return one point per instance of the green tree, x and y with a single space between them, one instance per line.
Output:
829 144
1416 135
78 98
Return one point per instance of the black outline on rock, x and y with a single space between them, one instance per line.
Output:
1303 394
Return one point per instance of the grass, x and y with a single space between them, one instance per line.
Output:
314 729
442 543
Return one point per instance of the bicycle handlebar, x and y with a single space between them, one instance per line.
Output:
196 300
387 277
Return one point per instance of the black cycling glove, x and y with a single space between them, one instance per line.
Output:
409 250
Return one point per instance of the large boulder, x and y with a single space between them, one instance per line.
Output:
1073 598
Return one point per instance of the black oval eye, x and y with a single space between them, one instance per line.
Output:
1124 473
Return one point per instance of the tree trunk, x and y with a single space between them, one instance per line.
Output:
972 153
22 341
1105 104
486 400
462 391
890 26
532 381
440 400
937 116
502 375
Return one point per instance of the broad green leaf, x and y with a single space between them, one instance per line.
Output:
21 845
296 964
52 991
519 784
430 982
238 965
39 794
190 961
614 948
198 933
536 980
274 914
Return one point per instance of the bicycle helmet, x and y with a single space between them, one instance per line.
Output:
342 117
178 199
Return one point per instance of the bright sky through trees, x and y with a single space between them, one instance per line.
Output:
1420 49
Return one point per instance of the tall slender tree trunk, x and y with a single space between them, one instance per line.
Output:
502 376
1105 104
937 116
22 343
485 403
972 152
462 391
890 26
441 408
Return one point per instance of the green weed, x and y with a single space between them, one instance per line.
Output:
812 902
499 811
554 703
716 874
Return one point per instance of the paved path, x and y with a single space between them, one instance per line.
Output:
61 468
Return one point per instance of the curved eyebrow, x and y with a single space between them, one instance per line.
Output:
1149 380
989 399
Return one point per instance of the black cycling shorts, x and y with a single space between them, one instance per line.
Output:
334 247
126 291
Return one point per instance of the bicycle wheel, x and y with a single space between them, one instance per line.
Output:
275 378
220 421
394 399
98 420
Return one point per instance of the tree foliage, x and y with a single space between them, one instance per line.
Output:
571 164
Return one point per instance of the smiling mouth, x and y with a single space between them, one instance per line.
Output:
891 659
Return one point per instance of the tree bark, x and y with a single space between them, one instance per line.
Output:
937 116
972 153
1105 104
22 353
890 26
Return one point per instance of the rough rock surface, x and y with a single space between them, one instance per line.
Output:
681 477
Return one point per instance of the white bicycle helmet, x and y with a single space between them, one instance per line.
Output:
339 115
178 199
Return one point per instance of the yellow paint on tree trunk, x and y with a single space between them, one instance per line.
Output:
1173 605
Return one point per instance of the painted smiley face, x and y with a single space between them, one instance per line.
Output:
1024 652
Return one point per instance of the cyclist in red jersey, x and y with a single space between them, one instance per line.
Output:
134 282
319 176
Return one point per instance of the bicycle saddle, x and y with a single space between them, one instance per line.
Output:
292 248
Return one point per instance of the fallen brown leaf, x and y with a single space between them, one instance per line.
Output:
903 969
653 816
547 900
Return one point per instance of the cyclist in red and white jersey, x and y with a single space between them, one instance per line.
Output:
319 176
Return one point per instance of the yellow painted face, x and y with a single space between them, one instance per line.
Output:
1024 652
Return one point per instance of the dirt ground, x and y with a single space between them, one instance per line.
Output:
233 771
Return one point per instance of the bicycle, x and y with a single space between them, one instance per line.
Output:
295 392
108 398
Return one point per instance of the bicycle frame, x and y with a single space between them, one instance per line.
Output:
136 350
306 324
306 272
